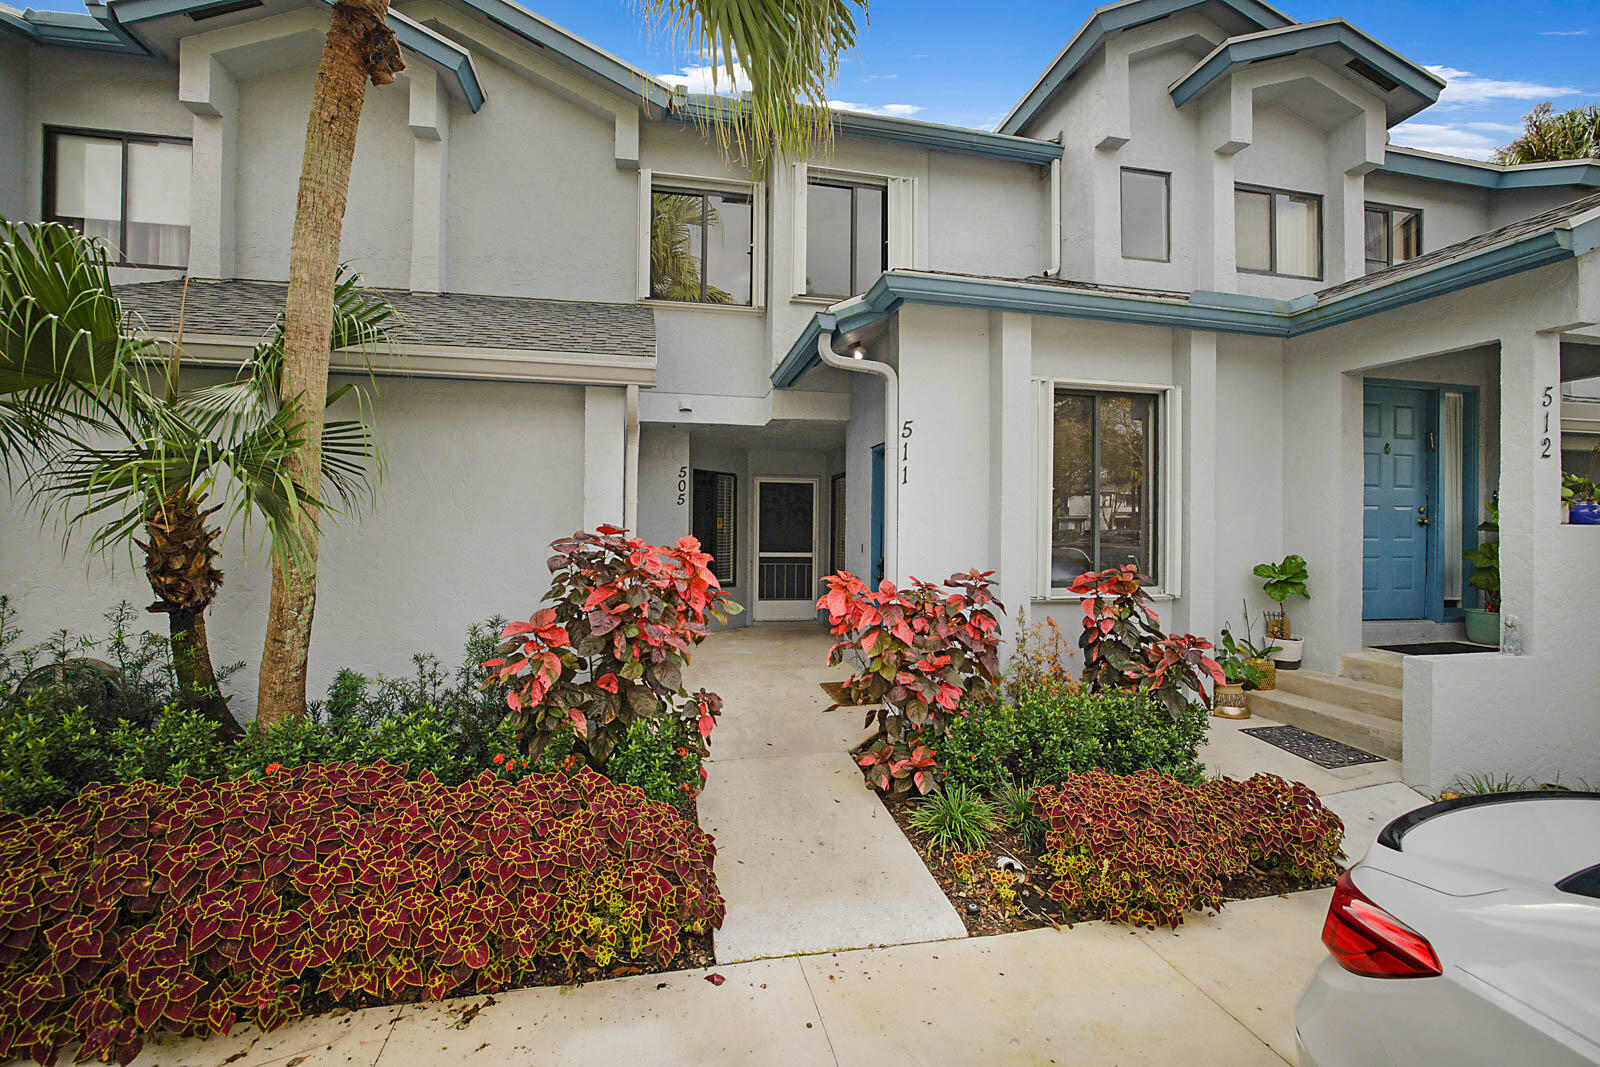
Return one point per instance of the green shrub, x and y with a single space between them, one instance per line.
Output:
955 818
1054 730
47 752
181 743
1014 804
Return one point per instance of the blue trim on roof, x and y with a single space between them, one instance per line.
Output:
1336 33
1209 311
1109 19
1489 175
63 29
899 130
443 52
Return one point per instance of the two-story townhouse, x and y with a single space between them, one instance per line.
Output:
1186 308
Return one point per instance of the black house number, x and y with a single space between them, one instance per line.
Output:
1546 402
683 485
905 452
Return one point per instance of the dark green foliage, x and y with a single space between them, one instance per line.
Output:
1013 802
1052 731
955 817
181 743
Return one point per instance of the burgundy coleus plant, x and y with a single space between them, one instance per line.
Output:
144 907
924 651
1124 646
609 649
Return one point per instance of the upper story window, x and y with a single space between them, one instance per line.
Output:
1277 232
129 190
702 245
847 236
1393 235
1104 503
1146 218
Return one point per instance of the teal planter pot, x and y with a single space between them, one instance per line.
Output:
1483 627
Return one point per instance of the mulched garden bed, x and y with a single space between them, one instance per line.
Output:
1032 907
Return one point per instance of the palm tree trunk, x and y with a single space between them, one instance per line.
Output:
358 46
197 681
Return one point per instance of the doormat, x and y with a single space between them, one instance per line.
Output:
1438 648
839 695
1323 751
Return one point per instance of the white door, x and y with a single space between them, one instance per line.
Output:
786 549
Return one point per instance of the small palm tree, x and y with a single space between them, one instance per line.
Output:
788 49
1549 135
145 470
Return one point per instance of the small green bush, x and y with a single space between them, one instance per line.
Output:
1014 804
181 743
1051 731
955 817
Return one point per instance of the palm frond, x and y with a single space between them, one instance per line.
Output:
1549 135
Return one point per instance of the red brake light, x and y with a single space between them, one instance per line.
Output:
1367 940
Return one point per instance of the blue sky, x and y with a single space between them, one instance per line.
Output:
935 60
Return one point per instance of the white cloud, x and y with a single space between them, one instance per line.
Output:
1564 33
1465 88
1493 127
1447 140
903 111
710 79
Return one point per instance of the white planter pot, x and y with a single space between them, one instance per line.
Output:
1289 652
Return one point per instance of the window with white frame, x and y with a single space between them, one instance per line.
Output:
1105 499
1277 232
702 244
1146 225
847 235
131 191
1393 235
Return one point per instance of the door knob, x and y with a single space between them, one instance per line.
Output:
1422 521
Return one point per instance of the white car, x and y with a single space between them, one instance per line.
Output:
1470 934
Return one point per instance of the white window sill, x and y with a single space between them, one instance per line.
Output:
1053 597
822 301
692 305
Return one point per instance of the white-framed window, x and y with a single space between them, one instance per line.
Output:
1392 235
1277 232
1146 215
131 191
850 227
1109 481
701 240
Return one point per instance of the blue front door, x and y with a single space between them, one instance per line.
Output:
877 516
1396 475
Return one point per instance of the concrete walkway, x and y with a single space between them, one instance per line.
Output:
1217 991
807 858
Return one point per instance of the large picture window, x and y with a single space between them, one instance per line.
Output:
1103 508
847 236
1393 235
713 520
1277 232
130 191
702 246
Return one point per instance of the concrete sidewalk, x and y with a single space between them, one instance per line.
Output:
1217 991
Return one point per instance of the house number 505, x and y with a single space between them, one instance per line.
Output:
683 485
905 452
1546 402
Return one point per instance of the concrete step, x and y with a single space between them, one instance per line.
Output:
1346 692
1373 665
1373 733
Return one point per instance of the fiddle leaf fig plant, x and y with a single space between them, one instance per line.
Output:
1485 559
1284 580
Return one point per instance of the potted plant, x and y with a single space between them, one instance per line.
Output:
1256 658
1483 624
1281 581
1579 494
1228 700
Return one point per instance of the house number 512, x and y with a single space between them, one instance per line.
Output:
1546 402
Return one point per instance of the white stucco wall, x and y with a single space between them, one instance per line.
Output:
13 129
450 542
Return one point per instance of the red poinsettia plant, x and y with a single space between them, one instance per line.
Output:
1124 646
610 647
924 650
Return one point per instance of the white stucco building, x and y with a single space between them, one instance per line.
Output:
1185 308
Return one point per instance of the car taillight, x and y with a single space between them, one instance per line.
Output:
1369 941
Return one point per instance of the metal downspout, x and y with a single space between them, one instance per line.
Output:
859 364
630 460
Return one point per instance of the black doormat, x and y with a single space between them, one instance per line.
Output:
1323 751
1438 648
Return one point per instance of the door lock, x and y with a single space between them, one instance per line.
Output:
1422 515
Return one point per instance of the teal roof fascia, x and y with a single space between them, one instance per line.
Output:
1107 20
914 132
1208 311
1337 33
64 29
1489 176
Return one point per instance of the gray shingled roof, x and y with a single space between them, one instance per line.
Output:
451 320
1521 228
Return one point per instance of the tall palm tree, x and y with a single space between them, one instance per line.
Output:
1549 135
145 469
788 49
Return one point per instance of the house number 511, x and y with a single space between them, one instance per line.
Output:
905 452
1546 402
